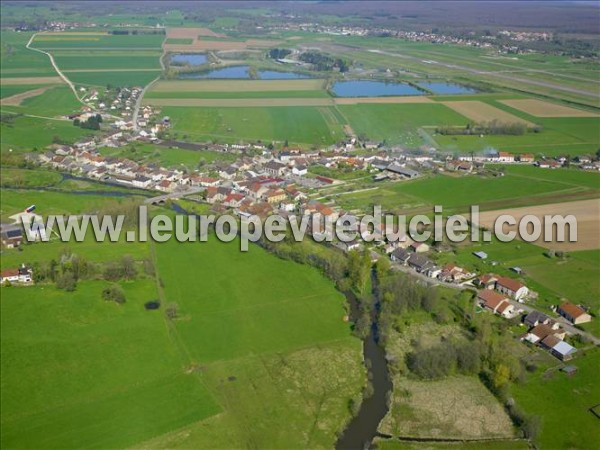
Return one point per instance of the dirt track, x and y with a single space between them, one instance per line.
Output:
15 100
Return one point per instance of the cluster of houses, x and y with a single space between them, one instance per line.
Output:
548 334
20 276
496 295
466 163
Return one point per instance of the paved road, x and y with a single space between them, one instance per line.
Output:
138 103
174 195
563 322
433 281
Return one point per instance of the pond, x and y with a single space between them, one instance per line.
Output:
276 75
447 88
226 72
368 88
192 59
242 72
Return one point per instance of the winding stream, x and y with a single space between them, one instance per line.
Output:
362 429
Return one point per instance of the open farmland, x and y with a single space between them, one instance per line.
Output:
540 108
99 59
283 356
482 112
587 213
302 125
561 427
77 41
16 99
241 102
31 80
398 122
200 39
237 85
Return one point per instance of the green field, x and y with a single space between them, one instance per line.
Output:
65 41
167 157
27 133
18 61
119 78
563 403
558 136
303 125
56 101
106 60
397 123
241 94
94 366
520 186
242 365
8 90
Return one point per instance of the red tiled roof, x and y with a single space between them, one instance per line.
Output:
572 310
509 283
491 299
9 273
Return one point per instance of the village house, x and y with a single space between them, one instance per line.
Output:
487 281
21 275
141 182
275 168
535 318
400 255
233 200
573 313
451 273
11 235
418 262
273 196
299 170
527 158
512 288
505 157
166 186
495 302
542 331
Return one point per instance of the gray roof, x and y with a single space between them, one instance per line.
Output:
402 170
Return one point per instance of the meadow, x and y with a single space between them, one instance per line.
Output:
56 101
51 41
8 90
93 366
167 157
562 425
302 125
522 185
18 61
90 60
27 133
152 94
128 78
393 122
240 365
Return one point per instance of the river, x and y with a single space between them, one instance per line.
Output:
362 429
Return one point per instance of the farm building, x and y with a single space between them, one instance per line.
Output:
563 351
574 313
511 287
